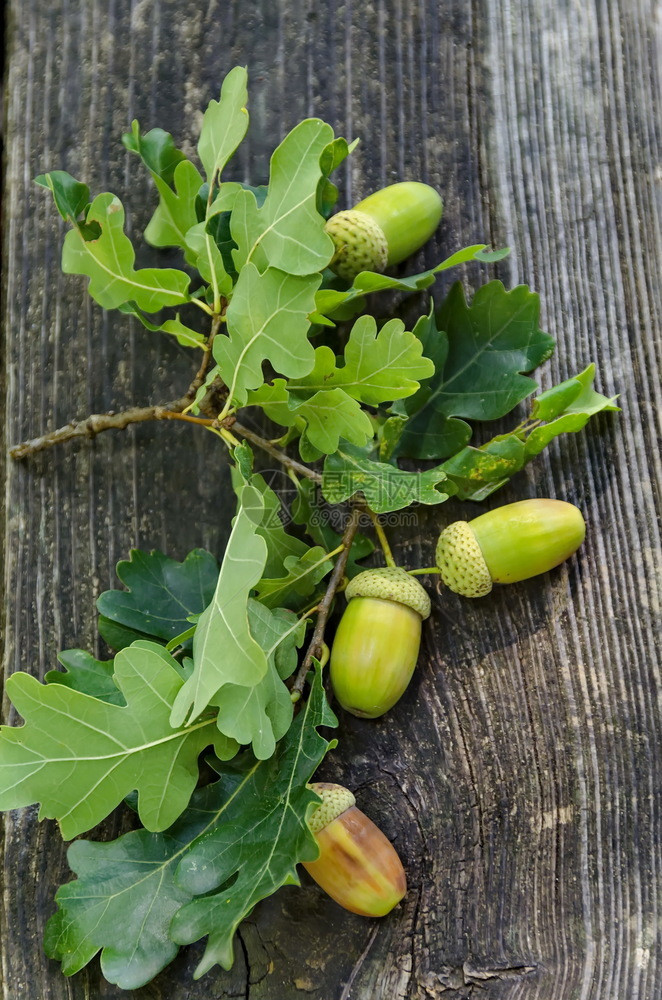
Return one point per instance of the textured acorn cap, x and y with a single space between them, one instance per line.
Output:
391 583
360 244
463 567
335 801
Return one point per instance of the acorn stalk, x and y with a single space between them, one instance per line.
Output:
358 866
509 544
384 229
376 645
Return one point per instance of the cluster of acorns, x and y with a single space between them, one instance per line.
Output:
377 641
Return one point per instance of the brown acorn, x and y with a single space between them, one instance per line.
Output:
358 867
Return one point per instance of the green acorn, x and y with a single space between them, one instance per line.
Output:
384 229
358 867
508 544
376 645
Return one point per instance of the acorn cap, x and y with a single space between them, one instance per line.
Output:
360 244
390 583
335 801
462 564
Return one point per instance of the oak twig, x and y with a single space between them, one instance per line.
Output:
98 422
280 456
324 606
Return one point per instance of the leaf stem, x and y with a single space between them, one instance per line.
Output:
324 607
381 536
424 571
203 305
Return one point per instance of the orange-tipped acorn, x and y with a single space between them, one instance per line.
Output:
384 229
511 543
358 867
376 644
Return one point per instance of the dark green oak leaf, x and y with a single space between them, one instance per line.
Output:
479 352
161 593
262 837
87 674
126 893
71 197
156 149
332 156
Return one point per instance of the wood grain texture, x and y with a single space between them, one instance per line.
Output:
519 776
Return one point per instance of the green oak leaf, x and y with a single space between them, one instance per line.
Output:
576 396
83 672
576 413
478 472
332 302
156 149
219 218
332 156
378 367
224 650
324 404
386 488
184 335
267 319
126 894
224 124
79 757
323 418
262 714
389 434
280 543
175 214
287 232
204 252
177 180
71 197
298 582
207 258
308 509
260 837
108 261
161 593
479 352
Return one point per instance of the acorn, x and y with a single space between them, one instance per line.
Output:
384 229
508 544
377 641
358 866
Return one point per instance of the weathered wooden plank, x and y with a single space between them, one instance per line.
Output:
518 776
